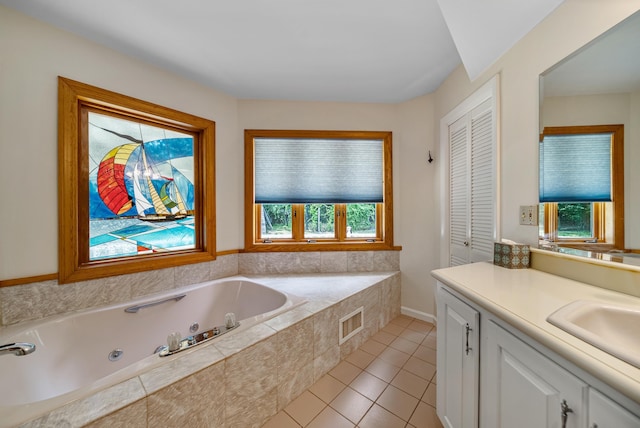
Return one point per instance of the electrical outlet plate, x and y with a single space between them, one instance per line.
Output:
529 215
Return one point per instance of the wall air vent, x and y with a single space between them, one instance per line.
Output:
351 324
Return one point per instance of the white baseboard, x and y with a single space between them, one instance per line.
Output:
418 314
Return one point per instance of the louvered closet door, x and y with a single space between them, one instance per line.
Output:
459 140
482 205
472 142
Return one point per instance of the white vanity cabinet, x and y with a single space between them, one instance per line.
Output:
458 361
523 388
606 413
491 375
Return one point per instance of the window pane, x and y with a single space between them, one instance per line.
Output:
575 220
141 188
361 220
319 221
275 221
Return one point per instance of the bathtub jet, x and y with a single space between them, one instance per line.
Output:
18 349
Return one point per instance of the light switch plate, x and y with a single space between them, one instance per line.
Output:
529 215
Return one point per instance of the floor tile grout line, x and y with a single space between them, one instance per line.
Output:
390 411
388 384
336 410
363 415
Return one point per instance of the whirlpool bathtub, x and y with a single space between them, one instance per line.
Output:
79 353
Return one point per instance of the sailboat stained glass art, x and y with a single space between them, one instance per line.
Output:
141 191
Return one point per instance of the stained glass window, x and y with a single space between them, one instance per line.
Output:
141 193
136 185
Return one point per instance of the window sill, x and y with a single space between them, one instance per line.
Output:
587 246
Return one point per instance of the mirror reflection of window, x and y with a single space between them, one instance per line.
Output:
582 186
575 221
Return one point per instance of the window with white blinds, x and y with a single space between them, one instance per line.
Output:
472 177
313 189
576 167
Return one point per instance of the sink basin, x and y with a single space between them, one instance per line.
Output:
614 328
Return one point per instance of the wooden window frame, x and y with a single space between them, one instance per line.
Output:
73 234
340 222
617 175
384 211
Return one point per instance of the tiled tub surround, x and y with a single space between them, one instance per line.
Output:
241 380
41 299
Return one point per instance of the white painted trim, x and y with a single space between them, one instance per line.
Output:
490 90
423 316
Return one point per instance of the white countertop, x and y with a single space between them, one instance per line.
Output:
524 298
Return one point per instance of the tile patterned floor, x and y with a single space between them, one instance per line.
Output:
388 382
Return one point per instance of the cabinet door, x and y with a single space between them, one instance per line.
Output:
458 362
606 413
523 388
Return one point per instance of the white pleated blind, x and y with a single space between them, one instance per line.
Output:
482 197
313 170
575 168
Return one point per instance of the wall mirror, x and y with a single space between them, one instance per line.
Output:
600 85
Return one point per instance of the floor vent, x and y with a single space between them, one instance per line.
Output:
351 324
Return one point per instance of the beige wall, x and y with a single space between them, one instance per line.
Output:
604 109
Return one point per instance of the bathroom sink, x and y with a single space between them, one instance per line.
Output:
614 328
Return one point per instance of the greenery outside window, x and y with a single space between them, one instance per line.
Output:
318 190
580 221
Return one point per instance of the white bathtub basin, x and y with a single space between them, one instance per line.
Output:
610 327
72 350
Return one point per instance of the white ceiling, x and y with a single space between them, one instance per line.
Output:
483 30
330 50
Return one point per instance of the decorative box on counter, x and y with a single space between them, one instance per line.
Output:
511 255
